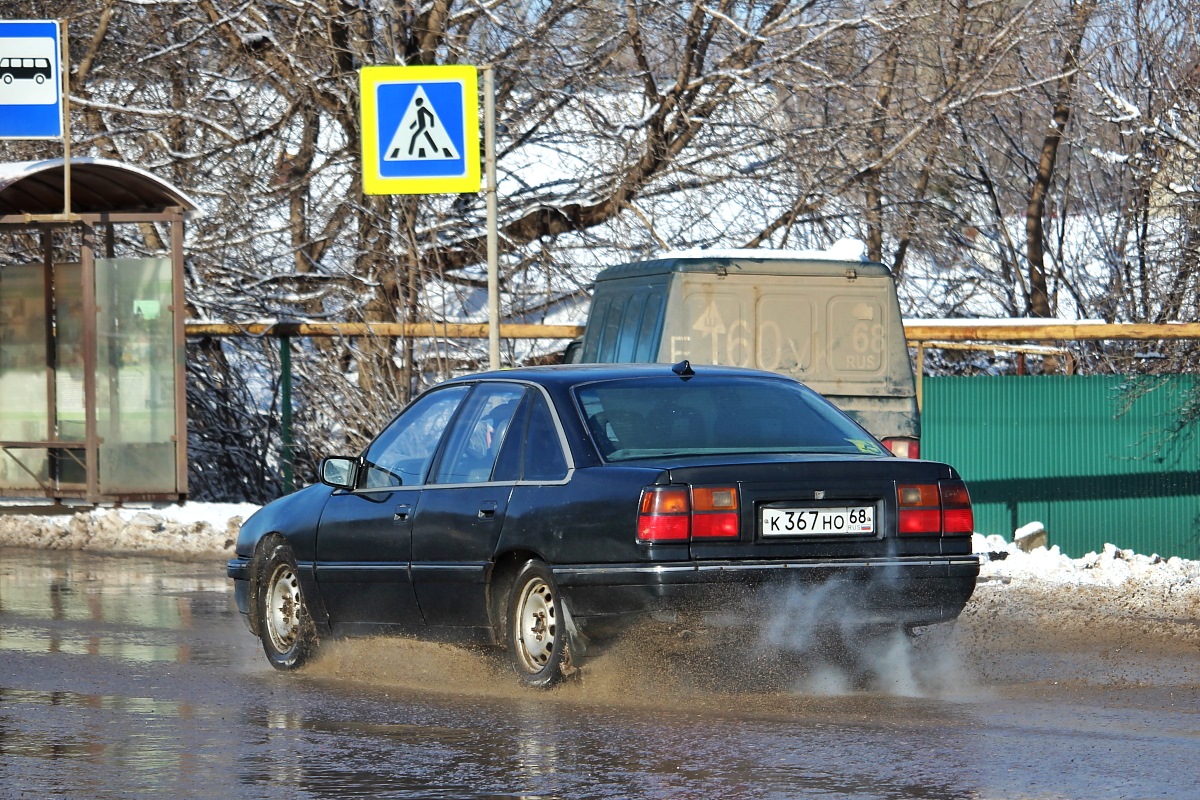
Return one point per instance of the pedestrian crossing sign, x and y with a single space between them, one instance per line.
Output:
420 129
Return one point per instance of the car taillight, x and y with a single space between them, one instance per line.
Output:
677 513
665 515
904 448
714 513
935 508
957 516
920 509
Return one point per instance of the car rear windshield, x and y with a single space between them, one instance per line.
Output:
643 418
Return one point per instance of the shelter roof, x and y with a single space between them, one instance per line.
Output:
97 186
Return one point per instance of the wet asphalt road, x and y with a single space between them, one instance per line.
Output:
135 677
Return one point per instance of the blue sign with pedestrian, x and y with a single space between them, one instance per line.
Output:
426 130
420 130
30 80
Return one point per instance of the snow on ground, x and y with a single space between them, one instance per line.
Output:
1101 596
192 531
1160 597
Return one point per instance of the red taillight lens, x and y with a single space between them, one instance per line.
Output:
664 515
935 508
920 520
714 512
957 516
904 448
677 514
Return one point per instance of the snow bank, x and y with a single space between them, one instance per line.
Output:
1101 595
193 531
1113 589
1112 568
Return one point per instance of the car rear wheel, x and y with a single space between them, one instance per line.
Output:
537 631
288 635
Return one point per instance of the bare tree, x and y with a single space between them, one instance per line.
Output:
628 127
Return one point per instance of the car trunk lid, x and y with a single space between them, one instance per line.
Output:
848 508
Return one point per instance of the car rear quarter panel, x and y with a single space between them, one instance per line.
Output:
591 519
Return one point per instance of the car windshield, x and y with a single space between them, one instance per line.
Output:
645 418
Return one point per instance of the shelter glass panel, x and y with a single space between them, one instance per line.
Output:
24 403
135 381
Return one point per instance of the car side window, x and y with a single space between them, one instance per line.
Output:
508 462
544 459
400 456
478 432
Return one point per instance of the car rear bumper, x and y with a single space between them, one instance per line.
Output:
901 590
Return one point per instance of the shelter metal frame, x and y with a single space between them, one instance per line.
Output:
148 201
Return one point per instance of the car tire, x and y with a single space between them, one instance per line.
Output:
288 635
537 630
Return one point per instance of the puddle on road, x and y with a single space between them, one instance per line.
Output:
99 745
124 609
47 641
653 716
130 705
639 673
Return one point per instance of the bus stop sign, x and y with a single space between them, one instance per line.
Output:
30 80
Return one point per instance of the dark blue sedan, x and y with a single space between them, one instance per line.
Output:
545 509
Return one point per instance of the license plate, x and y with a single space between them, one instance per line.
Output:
817 521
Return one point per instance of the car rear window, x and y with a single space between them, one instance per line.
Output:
643 418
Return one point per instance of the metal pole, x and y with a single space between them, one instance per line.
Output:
65 62
179 348
91 355
493 267
920 376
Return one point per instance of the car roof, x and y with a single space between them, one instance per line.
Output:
564 375
771 263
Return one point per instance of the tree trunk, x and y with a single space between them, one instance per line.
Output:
1035 213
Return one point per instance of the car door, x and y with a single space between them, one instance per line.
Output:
463 506
364 539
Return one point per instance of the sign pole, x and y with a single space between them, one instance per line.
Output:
493 256
66 111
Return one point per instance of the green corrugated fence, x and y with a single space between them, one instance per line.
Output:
1076 453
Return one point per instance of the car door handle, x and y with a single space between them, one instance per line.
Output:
401 514
487 510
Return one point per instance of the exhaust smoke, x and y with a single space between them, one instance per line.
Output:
838 649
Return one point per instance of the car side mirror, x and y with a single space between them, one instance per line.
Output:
340 472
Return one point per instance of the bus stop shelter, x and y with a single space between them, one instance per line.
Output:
92 352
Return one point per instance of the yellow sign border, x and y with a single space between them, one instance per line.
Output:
369 78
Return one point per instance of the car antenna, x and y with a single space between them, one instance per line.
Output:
683 369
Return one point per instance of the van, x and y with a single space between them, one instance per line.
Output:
830 321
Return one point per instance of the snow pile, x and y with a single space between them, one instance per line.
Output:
1112 568
1093 596
194 531
1159 597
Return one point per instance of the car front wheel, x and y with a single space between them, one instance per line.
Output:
288 635
537 631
